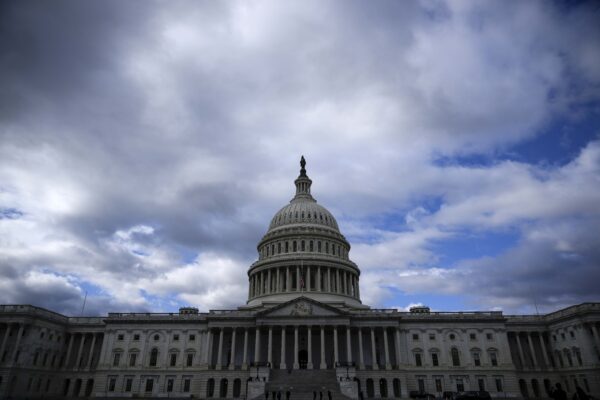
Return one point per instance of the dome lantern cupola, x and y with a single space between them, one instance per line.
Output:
303 184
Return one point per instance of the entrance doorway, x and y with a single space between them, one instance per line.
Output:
303 358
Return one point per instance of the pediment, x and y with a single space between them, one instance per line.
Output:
302 307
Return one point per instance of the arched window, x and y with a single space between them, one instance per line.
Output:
295 246
455 357
237 388
279 248
153 357
383 388
303 248
396 386
326 247
370 388
210 388
311 246
287 247
223 388
535 387
319 246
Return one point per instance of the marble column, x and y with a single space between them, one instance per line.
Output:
337 281
232 359
388 364
349 344
91 355
318 281
296 364
309 364
4 339
397 345
245 355
17 343
278 283
596 336
532 350
307 283
336 358
282 365
269 281
220 350
361 353
523 361
328 279
323 363
270 347
209 348
257 346
80 351
287 279
298 278
374 350
544 351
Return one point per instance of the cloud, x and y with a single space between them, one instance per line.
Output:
143 146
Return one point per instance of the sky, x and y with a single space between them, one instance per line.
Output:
145 146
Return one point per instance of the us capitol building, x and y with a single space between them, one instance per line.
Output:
303 329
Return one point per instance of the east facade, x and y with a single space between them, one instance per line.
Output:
303 329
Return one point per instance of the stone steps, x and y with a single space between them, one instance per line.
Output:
303 383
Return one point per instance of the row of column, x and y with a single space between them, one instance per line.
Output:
81 363
309 362
11 358
303 278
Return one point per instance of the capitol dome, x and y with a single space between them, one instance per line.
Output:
303 253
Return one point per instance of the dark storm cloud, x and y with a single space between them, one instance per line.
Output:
150 143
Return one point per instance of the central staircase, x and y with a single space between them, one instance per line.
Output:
302 383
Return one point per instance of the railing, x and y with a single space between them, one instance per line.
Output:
32 310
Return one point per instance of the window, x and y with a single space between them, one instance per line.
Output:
481 384
294 246
432 336
460 386
572 334
173 359
438 385
153 357
476 359
287 247
210 388
319 246
562 336
421 382
455 359
116 359
489 336
415 336
192 338
578 356
279 248
311 246
494 359
136 337
186 385
554 337
452 336
190 359
418 360
170 385
132 359
176 337
35 358
120 337
128 384
303 247
156 338
112 382
149 385
499 385
434 359
472 336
